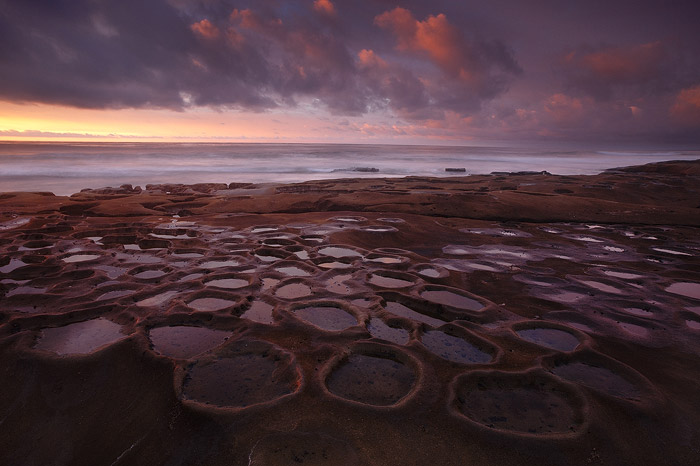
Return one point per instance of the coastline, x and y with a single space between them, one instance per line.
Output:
635 194
441 286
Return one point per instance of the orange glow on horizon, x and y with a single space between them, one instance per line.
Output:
50 122
40 122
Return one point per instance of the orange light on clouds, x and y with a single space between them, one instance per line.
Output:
205 29
686 108
434 36
324 6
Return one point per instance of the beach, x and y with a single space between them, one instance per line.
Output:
512 318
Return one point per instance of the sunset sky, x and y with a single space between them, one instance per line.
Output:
438 71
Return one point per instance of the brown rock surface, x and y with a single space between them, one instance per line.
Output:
498 319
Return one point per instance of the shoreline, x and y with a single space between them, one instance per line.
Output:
65 170
518 319
622 195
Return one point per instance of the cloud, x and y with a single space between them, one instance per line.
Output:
565 110
206 29
445 46
442 65
626 71
686 108
325 7
471 71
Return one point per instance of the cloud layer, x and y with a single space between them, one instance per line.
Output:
498 70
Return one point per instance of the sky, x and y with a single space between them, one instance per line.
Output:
353 71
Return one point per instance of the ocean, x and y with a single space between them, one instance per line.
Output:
66 168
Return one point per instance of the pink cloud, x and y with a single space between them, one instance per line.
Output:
564 109
686 108
247 19
369 59
434 36
205 29
325 7
622 63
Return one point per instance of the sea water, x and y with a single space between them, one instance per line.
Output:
66 168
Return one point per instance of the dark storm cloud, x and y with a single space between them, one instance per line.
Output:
543 67
253 55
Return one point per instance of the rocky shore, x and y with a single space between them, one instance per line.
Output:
512 318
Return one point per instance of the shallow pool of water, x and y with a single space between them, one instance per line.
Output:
671 251
293 271
219 264
327 317
184 342
260 312
453 348
158 299
388 282
623 275
80 337
337 284
602 287
293 291
303 255
240 381
20 290
386 260
80 258
638 311
379 329
148 274
338 252
334 265
210 304
431 273
370 379
228 283
517 404
688 289
550 338
448 298
400 310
